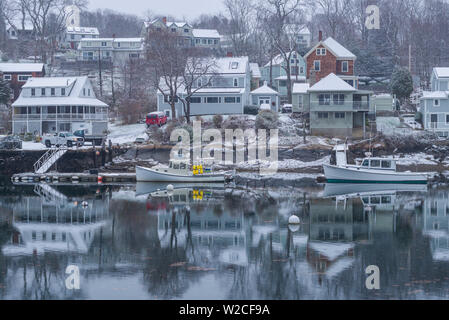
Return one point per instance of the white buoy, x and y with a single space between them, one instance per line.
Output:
170 187
293 220
293 227
85 204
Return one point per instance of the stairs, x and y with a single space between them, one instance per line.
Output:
48 159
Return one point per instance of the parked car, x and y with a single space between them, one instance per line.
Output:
61 139
10 143
158 118
287 108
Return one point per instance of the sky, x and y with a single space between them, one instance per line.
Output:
189 9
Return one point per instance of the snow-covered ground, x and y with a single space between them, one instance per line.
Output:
123 134
31 145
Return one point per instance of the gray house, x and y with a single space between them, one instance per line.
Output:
434 105
336 108
265 95
228 89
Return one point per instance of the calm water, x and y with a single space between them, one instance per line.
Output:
202 242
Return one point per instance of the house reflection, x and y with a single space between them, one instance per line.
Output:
51 221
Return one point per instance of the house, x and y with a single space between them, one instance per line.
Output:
277 77
434 105
256 76
50 105
227 93
336 108
265 95
73 35
328 57
300 97
188 36
18 73
117 50
20 30
302 35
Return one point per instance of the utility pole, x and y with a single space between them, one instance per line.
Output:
410 58
99 69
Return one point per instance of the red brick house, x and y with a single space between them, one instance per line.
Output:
18 73
328 57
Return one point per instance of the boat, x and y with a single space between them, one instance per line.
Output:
180 170
148 188
350 190
371 170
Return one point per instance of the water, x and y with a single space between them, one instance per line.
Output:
202 242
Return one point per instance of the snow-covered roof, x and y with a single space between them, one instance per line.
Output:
277 60
113 39
205 33
435 95
21 67
300 88
229 65
292 77
75 96
255 71
441 72
83 30
336 48
331 250
55 82
265 89
332 83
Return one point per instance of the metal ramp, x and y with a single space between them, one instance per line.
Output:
48 159
50 194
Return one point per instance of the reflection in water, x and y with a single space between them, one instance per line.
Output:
207 242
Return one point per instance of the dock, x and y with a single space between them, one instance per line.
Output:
73 178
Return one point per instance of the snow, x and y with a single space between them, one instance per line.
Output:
416 159
122 134
435 94
83 30
205 33
442 72
392 126
265 89
338 49
30 145
287 164
301 87
410 121
21 67
255 70
51 82
332 83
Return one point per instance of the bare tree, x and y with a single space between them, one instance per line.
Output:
241 13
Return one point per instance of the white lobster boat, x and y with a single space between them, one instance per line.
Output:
180 170
371 170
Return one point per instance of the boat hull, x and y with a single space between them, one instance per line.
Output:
149 175
338 174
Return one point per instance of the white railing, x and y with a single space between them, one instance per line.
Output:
48 159
61 116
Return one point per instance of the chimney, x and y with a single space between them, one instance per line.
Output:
164 20
229 54
320 36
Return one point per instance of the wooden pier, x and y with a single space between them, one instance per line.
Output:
73 178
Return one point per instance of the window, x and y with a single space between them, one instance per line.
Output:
204 41
447 118
7 77
212 100
365 163
375 163
88 92
301 70
103 44
321 52
209 41
339 99
436 103
294 71
282 83
33 92
23 78
229 99
167 99
339 115
52 91
199 83
197 41
386 164
215 41
234 65
43 92
72 36
292 61
62 91
84 91
317 65
323 115
195 99
186 30
236 82
173 29
344 66
324 99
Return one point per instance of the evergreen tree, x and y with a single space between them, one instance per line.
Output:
5 91
401 83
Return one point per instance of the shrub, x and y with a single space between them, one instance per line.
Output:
218 121
267 119
254 110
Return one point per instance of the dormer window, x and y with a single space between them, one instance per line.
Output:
321 51
234 65
43 92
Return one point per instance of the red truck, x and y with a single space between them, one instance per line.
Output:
158 118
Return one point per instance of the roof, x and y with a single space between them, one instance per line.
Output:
74 97
332 83
229 65
255 71
292 77
83 30
435 95
336 48
280 59
300 87
114 39
21 67
265 89
300 30
205 33
441 72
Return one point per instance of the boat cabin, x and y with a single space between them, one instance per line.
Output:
379 164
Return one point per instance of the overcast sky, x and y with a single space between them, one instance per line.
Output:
189 9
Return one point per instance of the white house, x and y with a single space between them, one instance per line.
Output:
265 95
50 105
434 105
227 93
73 35
116 50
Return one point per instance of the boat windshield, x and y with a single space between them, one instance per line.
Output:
365 163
